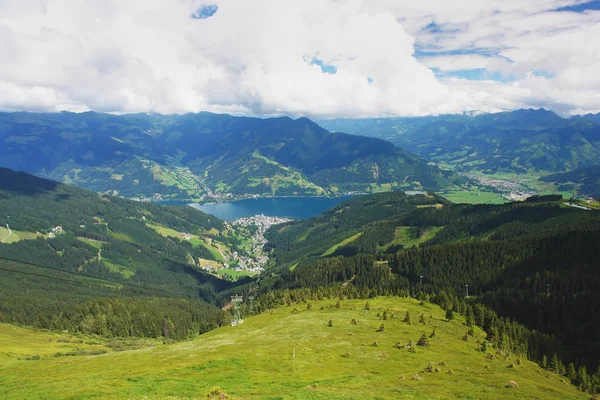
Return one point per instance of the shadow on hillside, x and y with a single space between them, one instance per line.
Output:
23 183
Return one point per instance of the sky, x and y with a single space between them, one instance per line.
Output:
314 58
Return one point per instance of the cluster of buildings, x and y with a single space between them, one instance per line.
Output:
262 224
250 264
511 189
57 230
155 197
185 236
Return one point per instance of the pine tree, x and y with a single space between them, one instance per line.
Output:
423 341
555 364
544 362
422 319
583 378
407 318
449 314
470 319
571 372
484 347
367 307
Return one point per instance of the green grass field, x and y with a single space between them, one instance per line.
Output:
473 197
163 230
127 273
94 243
122 237
407 236
235 274
195 241
344 242
21 343
14 236
287 353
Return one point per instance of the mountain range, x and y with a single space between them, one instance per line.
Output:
585 181
530 141
207 157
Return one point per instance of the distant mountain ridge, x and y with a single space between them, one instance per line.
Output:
207 156
521 141
585 180
593 117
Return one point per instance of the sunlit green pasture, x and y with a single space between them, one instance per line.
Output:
288 353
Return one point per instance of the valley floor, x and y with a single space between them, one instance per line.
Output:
286 353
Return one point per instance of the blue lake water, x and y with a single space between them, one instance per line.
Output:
291 207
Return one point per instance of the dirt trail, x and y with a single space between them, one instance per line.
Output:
9 233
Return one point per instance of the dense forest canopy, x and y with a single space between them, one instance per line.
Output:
104 248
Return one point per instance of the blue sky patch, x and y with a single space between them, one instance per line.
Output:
581 6
476 74
205 11
545 74
325 68
419 53
433 28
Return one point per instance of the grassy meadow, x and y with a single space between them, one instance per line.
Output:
473 197
344 242
286 353
15 236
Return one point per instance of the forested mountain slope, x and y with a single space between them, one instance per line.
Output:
207 156
586 181
340 227
535 261
62 246
521 141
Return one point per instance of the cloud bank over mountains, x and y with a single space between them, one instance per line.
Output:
319 58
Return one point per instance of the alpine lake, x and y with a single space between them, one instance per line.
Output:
291 207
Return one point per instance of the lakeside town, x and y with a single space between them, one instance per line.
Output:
510 189
259 259
253 259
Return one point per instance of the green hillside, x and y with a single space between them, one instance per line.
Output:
120 276
584 181
522 141
69 246
533 261
207 157
289 353
344 225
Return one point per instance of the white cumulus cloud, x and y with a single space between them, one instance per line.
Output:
378 57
